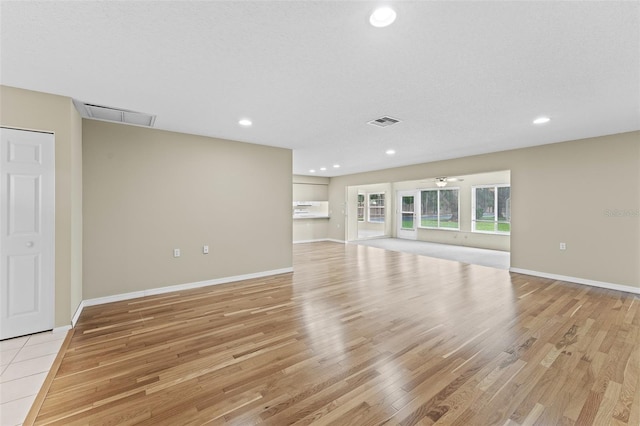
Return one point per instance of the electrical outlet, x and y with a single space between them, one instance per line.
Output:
205 249
176 252
563 246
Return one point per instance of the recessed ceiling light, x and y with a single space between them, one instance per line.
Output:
541 120
312 171
245 122
336 166
390 151
323 169
382 17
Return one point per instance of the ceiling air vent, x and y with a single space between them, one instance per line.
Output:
105 113
385 121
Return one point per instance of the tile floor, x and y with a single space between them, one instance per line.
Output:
472 255
24 364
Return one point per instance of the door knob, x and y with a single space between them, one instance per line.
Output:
29 244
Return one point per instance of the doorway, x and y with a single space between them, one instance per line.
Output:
368 211
406 219
27 203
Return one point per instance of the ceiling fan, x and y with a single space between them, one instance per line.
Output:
442 181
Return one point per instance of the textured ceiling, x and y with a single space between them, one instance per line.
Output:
464 77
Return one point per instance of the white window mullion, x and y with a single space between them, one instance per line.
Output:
473 209
495 211
437 208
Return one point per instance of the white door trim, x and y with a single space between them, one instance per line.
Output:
27 156
401 232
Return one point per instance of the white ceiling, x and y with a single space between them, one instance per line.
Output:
464 77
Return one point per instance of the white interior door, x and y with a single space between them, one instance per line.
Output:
406 218
27 186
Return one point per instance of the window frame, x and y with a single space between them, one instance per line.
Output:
496 222
438 190
383 207
361 206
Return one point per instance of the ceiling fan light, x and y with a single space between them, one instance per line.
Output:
441 182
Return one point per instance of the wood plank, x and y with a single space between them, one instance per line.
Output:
356 335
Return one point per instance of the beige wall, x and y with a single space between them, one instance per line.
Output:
26 109
310 188
565 192
76 210
310 229
311 180
148 191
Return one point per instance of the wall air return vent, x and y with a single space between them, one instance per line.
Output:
105 113
385 121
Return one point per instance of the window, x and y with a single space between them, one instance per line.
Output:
376 207
360 207
439 208
491 209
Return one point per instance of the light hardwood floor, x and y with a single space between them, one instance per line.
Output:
357 336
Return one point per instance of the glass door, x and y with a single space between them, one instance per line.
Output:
406 218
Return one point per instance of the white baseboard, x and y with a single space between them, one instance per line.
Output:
169 289
310 241
319 240
593 283
377 237
75 317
